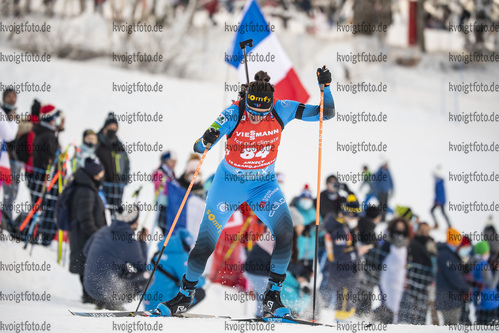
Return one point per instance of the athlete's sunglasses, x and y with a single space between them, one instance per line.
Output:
256 113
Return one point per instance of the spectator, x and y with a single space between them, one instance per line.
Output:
465 252
87 148
116 264
420 275
46 141
342 266
452 290
46 151
366 234
190 169
383 187
366 240
8 130
171 268
88 214
113 156
304 205
440 197
392 279
163 175
331 200
9 171
25 143
492 237
486 299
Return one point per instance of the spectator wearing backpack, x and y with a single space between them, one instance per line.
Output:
8 130
8 170
87 213
116 265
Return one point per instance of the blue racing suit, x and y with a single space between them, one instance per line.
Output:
255 185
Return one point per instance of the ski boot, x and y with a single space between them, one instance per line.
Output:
272 304
180 303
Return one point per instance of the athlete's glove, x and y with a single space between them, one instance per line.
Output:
210 136
324 76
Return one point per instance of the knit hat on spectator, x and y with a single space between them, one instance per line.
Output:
111 119
128 215
402 211
88 132
48 113
168 155
454 237
305 193
92 166
351 207
466 241
372 211
482 247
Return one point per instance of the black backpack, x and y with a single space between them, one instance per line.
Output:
63 208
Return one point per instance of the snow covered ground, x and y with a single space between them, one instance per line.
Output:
63 291
417 134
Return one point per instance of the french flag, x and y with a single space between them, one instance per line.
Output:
271 56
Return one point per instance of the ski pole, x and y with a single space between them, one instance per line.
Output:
167 239
318 201
44 189
242 45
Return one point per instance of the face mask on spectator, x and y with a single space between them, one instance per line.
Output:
9 107
305 204
89 144
464 251
352 223
399 239
111 134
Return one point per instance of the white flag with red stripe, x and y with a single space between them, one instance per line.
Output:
266 54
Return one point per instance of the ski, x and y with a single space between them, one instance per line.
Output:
104 314
282 321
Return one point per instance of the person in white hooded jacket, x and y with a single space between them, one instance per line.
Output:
8 132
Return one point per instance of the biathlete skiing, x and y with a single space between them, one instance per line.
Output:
253 126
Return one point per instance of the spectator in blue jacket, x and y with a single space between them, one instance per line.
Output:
383 187
440 198
452 290
342 264
116 264
485 299
171 268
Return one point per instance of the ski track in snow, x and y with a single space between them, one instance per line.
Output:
64 290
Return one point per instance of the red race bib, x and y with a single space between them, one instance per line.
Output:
253 146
